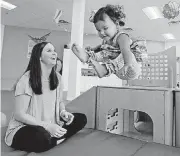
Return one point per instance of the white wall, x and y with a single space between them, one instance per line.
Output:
1 45
177 44
169 44
2 37
15 46
91 40
155 46
90 81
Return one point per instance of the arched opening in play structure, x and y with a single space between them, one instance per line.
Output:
135 124
143 123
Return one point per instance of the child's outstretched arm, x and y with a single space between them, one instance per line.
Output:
124 43
97 48
131 68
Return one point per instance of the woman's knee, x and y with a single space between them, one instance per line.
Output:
84 120
43 140
33 139
81 119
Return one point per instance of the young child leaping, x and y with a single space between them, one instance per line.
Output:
116 54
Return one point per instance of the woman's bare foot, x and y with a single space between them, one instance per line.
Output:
80 53
59 141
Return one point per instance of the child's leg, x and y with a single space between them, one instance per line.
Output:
132 73
100 69
80 53
116 66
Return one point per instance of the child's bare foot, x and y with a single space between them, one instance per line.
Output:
80 53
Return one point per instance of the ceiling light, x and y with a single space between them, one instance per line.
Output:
168 36
7 5
153 12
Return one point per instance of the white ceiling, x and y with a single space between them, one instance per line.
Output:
40 13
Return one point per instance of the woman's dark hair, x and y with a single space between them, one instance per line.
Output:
58 59
115 12
34 68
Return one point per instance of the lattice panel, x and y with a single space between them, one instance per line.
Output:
155 69
112 125
160 70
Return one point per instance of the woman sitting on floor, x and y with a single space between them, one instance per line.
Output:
40 121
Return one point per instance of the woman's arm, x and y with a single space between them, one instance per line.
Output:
124 43
20 111
62 107
61 103
65 115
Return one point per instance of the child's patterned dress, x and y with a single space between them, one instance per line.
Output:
112 58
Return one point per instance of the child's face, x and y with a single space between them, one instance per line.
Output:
107 28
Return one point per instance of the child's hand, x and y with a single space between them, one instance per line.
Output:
68 46
88 48
91 60
74 45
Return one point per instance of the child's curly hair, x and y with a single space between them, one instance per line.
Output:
115 12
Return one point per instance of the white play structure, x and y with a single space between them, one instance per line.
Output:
112 109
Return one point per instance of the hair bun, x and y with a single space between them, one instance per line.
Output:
118 13
91 19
